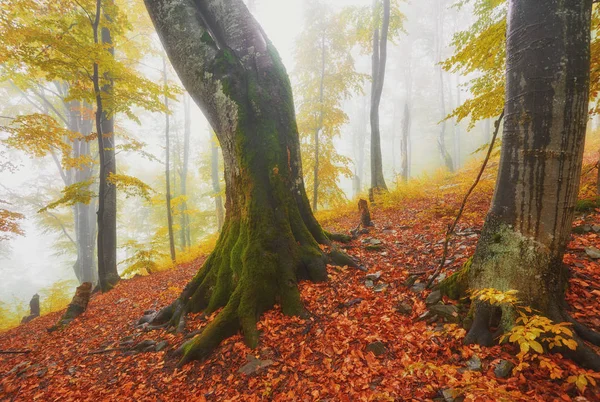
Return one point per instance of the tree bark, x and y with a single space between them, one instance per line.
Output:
216 183
108 275
380 34
270 237
168 166
527 229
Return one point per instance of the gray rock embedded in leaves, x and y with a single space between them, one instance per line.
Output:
504 369
433 298
474 363
161 345
380 287
447 311
592 252
452 395
254 365
418 287
377 348
404 308
369 283
374 276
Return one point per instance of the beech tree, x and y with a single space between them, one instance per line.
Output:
529 224
270 238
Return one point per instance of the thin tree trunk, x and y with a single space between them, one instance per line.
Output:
529 224
439 26
315 202
404 142
167 165
184 233
457 131
108 275
216 183
380 34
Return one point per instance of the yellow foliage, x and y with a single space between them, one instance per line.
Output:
57 296
75 193
131 186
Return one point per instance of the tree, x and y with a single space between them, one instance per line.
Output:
379 59
216 182
528 226
439 29
321 89
108 275
270 238
184 233
168 165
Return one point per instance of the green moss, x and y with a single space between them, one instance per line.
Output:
586 205
456 285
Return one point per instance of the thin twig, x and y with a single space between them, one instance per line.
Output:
14 352
451 228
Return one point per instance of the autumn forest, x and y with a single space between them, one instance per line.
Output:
300 200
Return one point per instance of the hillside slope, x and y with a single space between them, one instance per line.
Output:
325 357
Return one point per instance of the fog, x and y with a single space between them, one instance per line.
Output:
40 258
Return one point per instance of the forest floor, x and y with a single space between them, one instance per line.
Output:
364 341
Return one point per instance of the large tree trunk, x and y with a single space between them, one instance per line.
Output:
216 183
168 165
270 237
380 34
108 275
360 138
528 226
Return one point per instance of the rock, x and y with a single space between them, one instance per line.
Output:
151 348
389 231
452 395
148 312
425 315
474 363
145 344
374 276
369 283
504 369
434 298
42 372
404 308
254 365
161 345
374 247
126 343
596 228
380 287
410 280
72 370
377 348
350 303
592 252
362 268
447 311
375 241
418 287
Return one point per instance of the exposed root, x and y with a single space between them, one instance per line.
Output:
339 258
584 332
339 237
480 330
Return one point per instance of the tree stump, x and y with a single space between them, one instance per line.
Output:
77 306
365 215
34 309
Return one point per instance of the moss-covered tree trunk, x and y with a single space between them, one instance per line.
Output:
528 226
270 238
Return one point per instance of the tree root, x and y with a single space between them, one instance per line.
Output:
339 237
